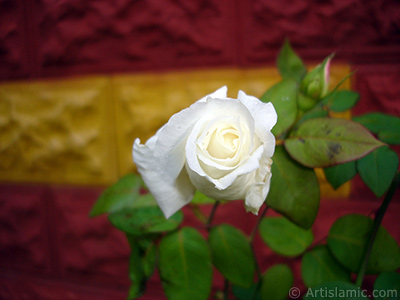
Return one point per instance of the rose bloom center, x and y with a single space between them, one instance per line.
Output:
223 143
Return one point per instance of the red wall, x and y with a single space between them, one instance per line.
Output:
41 38
49 248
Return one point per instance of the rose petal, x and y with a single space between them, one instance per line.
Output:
218 94
160 161
220 108
258 192
170 195
265 118
235 182
256 195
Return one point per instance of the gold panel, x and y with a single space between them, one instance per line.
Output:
81 131
57 132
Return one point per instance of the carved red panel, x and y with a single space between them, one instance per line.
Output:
379 88
24 235
316 28
13 48
35 288
88 247
130 35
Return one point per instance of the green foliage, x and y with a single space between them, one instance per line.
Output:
283 96
336 290
141 265
144 220
276 282
348 237
378 168
387 286
136 275
284 237
325 142
124 193
339 174
387 127
342 100
317 111
232 255
304 102
319 266
307 138
294 190
185 265
290 64
249 293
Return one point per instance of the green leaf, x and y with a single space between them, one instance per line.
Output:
316 112
337 290
375 122
283 96
347 240
249 293
389 137
339 174
378 168
185 265
387 286
325 142
284 237
144 220
289 63
294 190
276 282
387 127
343 100
319 266
200 198
232 254
136 274
124 193
148 253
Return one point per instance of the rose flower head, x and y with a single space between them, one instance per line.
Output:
219 146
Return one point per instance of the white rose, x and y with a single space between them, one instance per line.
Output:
220 146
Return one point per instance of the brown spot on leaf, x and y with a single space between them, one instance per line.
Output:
334 148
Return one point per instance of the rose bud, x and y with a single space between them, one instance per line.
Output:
316 83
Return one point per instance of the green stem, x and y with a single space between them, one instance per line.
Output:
211 216
377 222
259 219
252 236
226 289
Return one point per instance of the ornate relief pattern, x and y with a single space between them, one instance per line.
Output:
88 246
343 26
12 47
120 35
23 221
56 132
379 89
81 131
